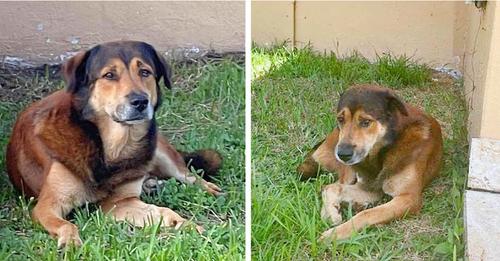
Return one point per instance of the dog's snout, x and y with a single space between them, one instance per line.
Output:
345 152
138 100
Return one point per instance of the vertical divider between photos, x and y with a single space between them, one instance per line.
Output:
248 159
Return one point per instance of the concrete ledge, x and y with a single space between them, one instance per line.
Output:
484 165
482 225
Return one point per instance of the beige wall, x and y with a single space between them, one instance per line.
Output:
44 30
454 34
477 38
482 71
421 29
425 30
272 21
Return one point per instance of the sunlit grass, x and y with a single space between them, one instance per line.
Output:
204 110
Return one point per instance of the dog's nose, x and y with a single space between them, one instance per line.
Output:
345 152
138 100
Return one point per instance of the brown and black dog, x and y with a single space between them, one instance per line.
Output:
381 145
97 140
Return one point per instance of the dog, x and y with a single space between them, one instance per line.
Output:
96 141
380 146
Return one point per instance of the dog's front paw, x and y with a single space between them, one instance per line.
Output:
68 235
172 219
331 216
152 186
340 232
327 236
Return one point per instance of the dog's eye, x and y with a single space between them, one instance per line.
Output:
109 76
144 73
340 120
365 123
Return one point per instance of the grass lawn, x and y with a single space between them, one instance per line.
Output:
294 93
204 110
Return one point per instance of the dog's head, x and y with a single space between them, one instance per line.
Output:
119 80
366 117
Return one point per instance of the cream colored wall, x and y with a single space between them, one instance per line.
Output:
272 21
482 71
424 30
44 30
477 38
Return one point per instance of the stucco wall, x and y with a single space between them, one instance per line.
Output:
477 37
272 21
421 29
45 30
482 71
424 30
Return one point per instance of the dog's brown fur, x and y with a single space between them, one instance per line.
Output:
403 149
96 141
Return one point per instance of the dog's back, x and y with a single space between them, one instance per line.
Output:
430 130
44 123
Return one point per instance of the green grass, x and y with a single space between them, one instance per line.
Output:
294 92
204 110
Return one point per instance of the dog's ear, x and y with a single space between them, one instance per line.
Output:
163 70
395 103
74 71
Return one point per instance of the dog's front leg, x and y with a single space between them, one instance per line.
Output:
336 193
124 205
332 197
56 200
394 209
170 163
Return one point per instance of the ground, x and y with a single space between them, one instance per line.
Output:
204 110
294 93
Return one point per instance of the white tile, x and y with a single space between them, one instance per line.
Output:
484 164
482 225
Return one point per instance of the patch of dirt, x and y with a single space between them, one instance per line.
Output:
442 78
412 226
21 83
439 189
416 225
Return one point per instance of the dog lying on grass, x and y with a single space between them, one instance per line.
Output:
96 141
380 146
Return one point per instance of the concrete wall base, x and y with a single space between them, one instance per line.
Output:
482 201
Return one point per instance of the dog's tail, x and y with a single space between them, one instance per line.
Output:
210 161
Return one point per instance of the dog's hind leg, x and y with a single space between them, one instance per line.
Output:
168 162
124 205
310 167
